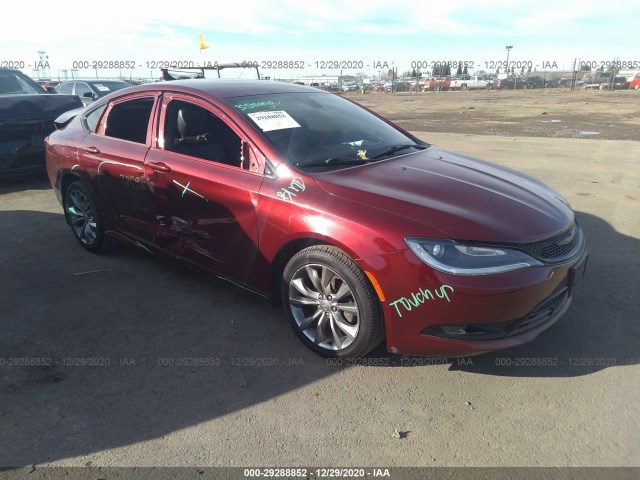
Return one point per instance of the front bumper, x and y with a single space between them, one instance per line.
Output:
492 312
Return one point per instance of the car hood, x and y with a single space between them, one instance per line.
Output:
464 197
28 108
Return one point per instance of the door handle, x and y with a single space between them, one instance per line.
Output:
159 166
91 150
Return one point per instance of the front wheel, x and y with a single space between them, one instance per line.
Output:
84 218
330 303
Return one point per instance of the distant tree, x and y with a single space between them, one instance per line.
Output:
498 71
414 73
513 71
447 70
529 69
465 71
459 71
522 70
613 68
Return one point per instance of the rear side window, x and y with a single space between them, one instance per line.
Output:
129 120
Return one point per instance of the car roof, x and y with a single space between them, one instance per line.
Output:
227 88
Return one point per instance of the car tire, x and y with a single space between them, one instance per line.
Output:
463 87
82 214
330 303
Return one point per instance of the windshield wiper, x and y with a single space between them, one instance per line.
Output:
397 148
333 161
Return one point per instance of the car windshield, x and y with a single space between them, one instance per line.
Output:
12 84
317 130
106 87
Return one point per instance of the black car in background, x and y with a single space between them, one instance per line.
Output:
535 82
90 90
27 112
509 83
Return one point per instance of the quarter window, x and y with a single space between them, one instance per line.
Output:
91 119
129 120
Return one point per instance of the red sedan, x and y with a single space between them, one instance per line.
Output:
357 227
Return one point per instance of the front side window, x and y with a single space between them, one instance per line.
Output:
129 120
195 131
82 88
65 88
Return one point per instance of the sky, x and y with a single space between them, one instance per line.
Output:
321 36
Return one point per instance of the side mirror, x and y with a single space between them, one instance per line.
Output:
52 90
88 95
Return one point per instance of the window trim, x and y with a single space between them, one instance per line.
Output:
151 126
163 105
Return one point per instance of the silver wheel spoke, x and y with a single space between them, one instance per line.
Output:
301 301
337 342
349 330
342 291
320 336
349 308
299 285
76 203
313 276
308 322
325 280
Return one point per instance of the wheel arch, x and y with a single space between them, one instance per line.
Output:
282 257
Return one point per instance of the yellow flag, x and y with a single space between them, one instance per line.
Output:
203 43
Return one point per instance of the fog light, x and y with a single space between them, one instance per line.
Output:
466 332
454 329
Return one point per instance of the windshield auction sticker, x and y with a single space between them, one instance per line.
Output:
273 120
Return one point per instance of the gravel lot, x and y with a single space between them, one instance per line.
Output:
252 394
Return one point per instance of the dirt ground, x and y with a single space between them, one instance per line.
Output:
130 312
560 113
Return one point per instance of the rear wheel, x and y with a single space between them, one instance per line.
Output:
330 303
84 218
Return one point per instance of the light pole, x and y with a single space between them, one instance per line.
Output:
508 47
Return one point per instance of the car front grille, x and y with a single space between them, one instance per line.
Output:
558 248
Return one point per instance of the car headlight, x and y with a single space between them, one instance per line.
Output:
467 259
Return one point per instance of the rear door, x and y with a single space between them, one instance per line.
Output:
114 155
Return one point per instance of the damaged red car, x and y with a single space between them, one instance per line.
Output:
359 229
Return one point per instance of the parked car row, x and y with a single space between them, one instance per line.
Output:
90 90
